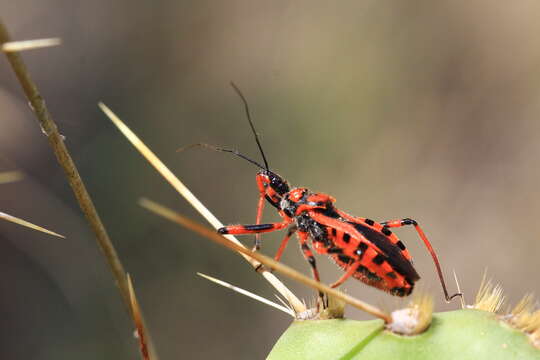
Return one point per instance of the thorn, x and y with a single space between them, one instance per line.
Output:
490 297
14 46
10 176
462 297
248 294
284 303
22 222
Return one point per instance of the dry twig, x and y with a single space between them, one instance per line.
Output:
297 305
140 327
270 263
56 141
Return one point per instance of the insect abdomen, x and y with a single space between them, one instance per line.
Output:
383 278
375 269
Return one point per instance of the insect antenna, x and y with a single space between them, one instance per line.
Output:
246 106
217 148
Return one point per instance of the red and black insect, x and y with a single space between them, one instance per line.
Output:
365 249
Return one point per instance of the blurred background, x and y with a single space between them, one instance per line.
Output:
423 109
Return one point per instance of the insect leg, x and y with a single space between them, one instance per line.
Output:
260 208
407 221
284 242
308 255
351 270
252 229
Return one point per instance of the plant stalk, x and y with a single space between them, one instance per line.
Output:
56 140
269 262
182 189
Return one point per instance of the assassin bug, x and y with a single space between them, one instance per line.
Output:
365 249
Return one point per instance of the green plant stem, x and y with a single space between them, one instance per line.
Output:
64 159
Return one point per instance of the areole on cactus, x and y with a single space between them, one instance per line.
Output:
477 332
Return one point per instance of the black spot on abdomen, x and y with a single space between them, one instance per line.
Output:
394 257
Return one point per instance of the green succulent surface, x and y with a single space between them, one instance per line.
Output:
462 334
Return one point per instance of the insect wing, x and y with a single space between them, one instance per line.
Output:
378 241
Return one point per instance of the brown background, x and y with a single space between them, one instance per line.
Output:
418 109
